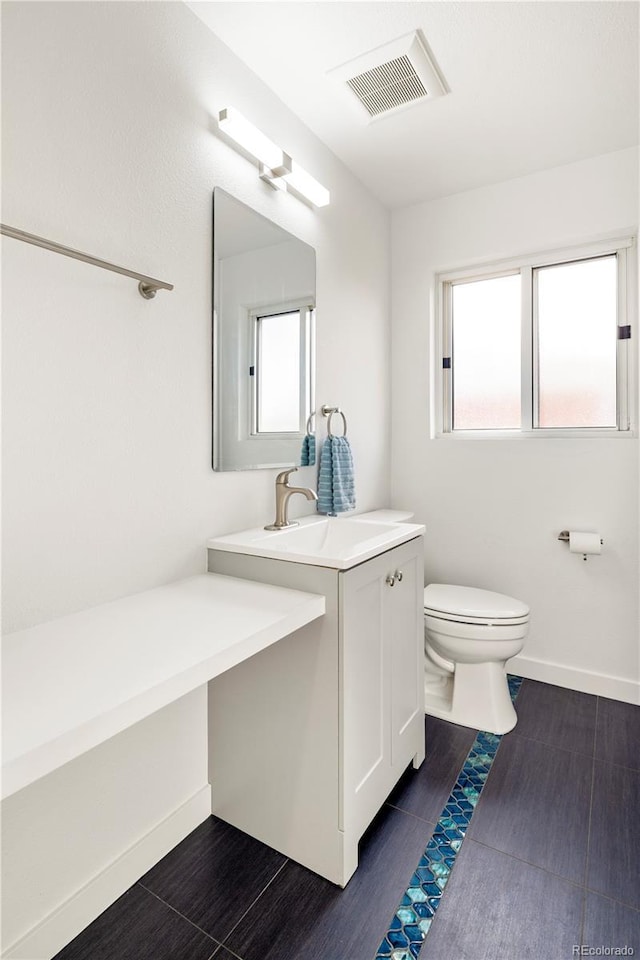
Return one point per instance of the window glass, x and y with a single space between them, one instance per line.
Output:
576 322
278 373
486 354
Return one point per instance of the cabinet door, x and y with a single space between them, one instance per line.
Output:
381 649
404 631
365 692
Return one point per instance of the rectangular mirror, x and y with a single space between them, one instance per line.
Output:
263 341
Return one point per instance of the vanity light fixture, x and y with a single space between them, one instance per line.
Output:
303 183
276 167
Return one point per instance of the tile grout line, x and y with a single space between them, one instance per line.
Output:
529 863
558 876
182 916
546 743
606 896
586 859
408 813
236 956
612 763
412 920
504 853
578 753
251 906
218 943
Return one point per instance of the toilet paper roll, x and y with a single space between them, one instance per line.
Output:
584 543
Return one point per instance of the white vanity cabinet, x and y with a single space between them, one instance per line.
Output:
308 737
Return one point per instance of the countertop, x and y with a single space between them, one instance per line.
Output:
73 682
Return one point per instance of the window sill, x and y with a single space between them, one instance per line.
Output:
548 434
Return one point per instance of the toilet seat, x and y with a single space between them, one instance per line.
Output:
479 621
456 604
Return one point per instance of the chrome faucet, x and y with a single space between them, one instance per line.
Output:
283 493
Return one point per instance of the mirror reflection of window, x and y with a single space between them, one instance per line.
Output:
277 373
263 339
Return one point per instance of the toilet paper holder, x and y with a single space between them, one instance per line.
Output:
565 535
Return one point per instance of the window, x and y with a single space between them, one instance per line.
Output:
486 347
280 371
575 305
539 346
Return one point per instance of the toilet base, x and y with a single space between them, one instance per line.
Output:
477 696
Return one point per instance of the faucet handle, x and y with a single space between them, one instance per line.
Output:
284 476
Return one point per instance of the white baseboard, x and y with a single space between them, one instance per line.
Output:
56 930
601 684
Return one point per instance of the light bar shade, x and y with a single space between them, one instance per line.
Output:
276 167
249 137
302 182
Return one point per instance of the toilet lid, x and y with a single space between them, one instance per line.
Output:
469 604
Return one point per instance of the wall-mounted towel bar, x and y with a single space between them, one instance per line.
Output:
147 286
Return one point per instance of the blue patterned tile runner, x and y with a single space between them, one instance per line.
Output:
412 919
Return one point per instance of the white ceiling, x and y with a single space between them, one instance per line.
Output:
532 84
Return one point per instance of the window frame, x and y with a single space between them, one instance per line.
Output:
623 247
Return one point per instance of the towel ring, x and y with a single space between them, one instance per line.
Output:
344 423
308 426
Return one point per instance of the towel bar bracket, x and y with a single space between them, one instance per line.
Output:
147 291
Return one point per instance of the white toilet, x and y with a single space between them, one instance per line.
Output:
469 635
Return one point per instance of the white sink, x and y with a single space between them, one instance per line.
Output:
338 542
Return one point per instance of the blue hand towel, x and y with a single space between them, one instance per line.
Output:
308 452
336 489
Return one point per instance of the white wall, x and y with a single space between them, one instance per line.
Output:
110 147
493 508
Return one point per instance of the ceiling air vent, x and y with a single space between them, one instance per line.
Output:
388 86
392 76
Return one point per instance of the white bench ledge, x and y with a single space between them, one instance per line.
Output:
72 683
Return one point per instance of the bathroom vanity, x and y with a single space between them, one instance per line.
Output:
310 642
307 738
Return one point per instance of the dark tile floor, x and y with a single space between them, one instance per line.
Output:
551 860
